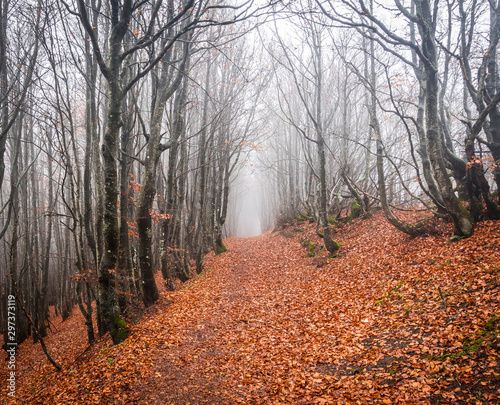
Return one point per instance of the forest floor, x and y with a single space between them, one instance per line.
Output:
395 319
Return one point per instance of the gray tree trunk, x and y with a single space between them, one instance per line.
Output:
461 218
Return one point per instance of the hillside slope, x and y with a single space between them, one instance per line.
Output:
394 319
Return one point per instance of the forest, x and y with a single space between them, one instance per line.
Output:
142 144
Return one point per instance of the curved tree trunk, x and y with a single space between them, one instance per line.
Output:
374 123
397 223
461 218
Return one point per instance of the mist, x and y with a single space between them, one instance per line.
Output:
249 213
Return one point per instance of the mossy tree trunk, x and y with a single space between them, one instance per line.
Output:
125 267
330 244
461 218
107 278
201 228
120 15
168 83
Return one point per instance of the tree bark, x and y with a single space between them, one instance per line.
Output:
167 87
200 229
461 218
45 268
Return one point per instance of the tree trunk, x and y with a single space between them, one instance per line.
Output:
330 244
107 292
125 270
166 89
45 268
91 140
200 230
493 87
4 87
461 218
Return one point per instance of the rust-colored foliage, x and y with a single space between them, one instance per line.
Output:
395 319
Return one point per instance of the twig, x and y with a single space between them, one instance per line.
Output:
442 298
82 353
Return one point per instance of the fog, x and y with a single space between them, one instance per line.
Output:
247 201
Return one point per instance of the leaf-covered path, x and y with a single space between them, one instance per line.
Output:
236 324
394 319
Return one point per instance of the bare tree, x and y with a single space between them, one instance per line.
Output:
312 102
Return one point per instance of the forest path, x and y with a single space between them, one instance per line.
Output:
266 324
226 315
395 319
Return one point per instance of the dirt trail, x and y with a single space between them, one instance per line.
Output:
238 301
270 325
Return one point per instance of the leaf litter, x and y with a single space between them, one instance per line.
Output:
395 319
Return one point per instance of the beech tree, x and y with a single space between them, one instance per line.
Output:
312 102
425 52
19 47
157 42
